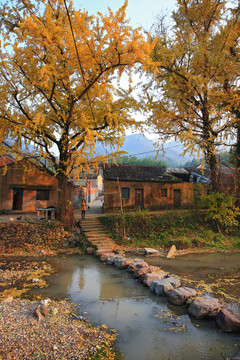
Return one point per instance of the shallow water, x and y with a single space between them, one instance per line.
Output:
148 327
221 269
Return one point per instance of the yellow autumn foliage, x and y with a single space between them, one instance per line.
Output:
55 81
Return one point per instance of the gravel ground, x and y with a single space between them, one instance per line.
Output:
62 334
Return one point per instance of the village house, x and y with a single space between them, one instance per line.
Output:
227 177
152 187
25 188
88 186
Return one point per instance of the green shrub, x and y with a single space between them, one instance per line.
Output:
220 209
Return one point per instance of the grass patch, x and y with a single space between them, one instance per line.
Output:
183 228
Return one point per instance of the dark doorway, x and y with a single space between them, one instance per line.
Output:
17 199
139 198
177 198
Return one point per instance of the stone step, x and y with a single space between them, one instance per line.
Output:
94 231
91 224
100 240
102 251
94 226
102 244
98 237
88 221
100 230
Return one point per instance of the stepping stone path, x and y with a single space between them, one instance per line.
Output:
227 318
160 287
97 236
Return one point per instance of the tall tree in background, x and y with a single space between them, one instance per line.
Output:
229 77
185 97
56 66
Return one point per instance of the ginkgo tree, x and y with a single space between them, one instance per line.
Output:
57 97
186 96
228 77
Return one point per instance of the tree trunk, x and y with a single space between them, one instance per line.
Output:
212 159
238 166
63 196
209 142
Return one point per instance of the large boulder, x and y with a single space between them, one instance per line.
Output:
180 295
228 319
203 307
150 277
169 283
140 272
172 252
150 252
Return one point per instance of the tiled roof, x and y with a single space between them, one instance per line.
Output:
88 176
223 170
138 173
5 160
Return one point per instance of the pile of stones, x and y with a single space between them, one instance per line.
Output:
226 316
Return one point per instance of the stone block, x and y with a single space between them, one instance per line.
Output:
140 272
180 295
150 277
172 251
105 256
110 259
123 263
229 319
150 252
203 307
136 265
166 284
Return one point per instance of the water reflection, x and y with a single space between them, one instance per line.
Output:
149 327
85 284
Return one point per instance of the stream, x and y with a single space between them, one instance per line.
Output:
148 327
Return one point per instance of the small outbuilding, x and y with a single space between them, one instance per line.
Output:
152 187
24 188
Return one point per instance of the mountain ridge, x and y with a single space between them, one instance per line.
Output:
140 146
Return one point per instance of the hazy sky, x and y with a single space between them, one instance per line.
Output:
140 12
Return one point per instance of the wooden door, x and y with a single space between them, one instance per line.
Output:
17 199
177 197
139 198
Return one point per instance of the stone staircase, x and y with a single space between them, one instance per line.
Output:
97 236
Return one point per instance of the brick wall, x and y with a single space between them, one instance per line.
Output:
16 177
154 194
